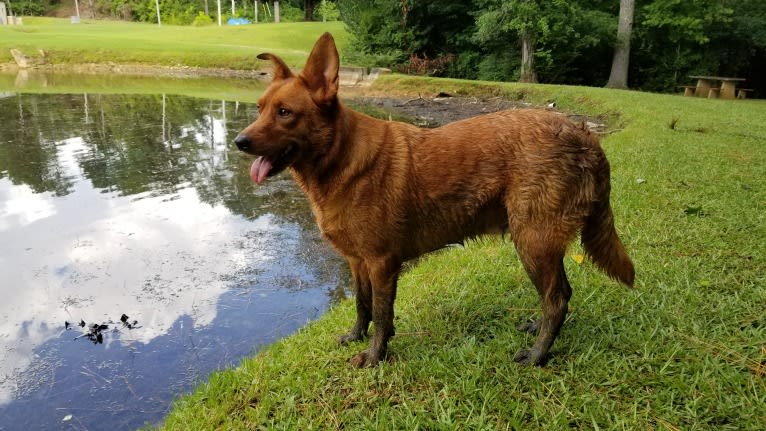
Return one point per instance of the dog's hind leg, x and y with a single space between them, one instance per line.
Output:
545 267
383 277
533 326
363 292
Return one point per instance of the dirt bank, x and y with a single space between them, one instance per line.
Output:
443 108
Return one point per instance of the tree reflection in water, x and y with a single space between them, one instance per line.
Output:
113 204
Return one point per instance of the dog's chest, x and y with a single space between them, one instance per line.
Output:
339 234
352 232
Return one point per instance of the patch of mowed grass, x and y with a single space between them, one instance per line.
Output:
231 47
685 349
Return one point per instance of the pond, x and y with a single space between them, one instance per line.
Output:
136 256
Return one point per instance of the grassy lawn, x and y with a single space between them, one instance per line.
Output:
232 47
684 350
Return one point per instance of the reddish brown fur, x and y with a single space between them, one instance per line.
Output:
384 192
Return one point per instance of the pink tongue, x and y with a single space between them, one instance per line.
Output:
260 169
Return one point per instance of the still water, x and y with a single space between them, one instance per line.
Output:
133 205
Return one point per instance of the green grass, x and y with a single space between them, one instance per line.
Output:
685 350
232 47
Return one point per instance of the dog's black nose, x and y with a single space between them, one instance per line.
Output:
242 141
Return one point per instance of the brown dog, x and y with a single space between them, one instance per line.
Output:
384 192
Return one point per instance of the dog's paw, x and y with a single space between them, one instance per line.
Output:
531 327
529 357
364 359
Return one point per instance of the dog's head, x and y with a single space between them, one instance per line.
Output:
296 113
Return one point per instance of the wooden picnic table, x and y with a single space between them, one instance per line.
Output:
706 86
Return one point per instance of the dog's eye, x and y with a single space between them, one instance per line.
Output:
284 113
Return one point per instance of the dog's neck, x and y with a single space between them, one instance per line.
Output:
351 151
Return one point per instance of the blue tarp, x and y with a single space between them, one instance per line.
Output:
237 21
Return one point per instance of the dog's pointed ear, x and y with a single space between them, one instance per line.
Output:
321 71
281 71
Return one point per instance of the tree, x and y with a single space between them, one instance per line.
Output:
328 11
527 24
618 77
674 40
519 20
276 11
308 10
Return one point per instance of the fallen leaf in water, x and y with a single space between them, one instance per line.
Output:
94 331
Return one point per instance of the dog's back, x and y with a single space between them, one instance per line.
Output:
433 187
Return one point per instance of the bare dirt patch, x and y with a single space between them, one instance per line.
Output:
442 109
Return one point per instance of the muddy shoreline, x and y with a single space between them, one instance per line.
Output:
143 70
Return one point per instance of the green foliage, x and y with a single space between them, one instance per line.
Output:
288 13
673 41
512 17
172 12
685 20
568 36
574 40
375 35
202 19
327 11
28 7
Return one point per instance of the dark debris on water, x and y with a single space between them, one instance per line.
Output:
95 331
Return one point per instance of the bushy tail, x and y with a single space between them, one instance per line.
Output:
599 237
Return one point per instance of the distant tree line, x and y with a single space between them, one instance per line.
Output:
563 41
181 12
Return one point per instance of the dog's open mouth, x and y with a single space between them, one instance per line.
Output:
265 166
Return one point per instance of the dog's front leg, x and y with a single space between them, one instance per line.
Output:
363 292
383 277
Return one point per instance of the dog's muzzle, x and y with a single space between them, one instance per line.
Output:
242 141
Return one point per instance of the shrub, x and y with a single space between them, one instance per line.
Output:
201 20
327 11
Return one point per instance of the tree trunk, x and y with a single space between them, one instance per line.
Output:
528 73
618 77
276 10
308 10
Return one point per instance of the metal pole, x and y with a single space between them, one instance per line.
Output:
219 13
157 3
